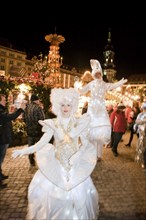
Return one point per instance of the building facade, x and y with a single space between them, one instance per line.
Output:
15 64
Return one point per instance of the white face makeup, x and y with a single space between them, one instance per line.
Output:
66 110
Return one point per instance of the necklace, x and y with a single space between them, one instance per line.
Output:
65 125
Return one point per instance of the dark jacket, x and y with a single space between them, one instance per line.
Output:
6 119
33 113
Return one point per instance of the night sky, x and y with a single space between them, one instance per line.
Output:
85 29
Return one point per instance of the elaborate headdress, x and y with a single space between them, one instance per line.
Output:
96 67
64 96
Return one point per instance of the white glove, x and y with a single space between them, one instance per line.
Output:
17 153
119 83
78 85
123 80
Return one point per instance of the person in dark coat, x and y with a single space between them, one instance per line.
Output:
6 131
33 113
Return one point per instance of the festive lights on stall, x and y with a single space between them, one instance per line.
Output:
47 68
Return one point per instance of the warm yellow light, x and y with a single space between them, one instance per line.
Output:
24 88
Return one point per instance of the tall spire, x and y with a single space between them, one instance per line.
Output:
108 54
109 45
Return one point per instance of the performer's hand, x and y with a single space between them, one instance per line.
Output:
124 80
17 153
78 85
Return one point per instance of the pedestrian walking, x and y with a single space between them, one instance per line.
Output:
119 126
33 113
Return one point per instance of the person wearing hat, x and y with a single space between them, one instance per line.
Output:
100 126
140 121
119 126
33 113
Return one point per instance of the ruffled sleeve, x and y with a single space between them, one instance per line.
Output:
47 126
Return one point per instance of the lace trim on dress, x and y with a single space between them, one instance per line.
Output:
65 149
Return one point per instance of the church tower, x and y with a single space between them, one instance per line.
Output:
109 70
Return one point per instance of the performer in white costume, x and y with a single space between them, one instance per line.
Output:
140 122
62 187
100 132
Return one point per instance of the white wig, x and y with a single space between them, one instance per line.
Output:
96 67
64 96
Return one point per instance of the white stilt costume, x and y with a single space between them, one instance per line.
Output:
100 127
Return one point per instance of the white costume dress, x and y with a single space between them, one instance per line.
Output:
100 126
62 188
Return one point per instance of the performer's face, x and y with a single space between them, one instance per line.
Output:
65 110
98 75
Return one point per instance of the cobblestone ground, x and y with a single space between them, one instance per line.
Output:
121 184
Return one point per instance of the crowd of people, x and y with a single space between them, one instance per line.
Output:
123 118
66 147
